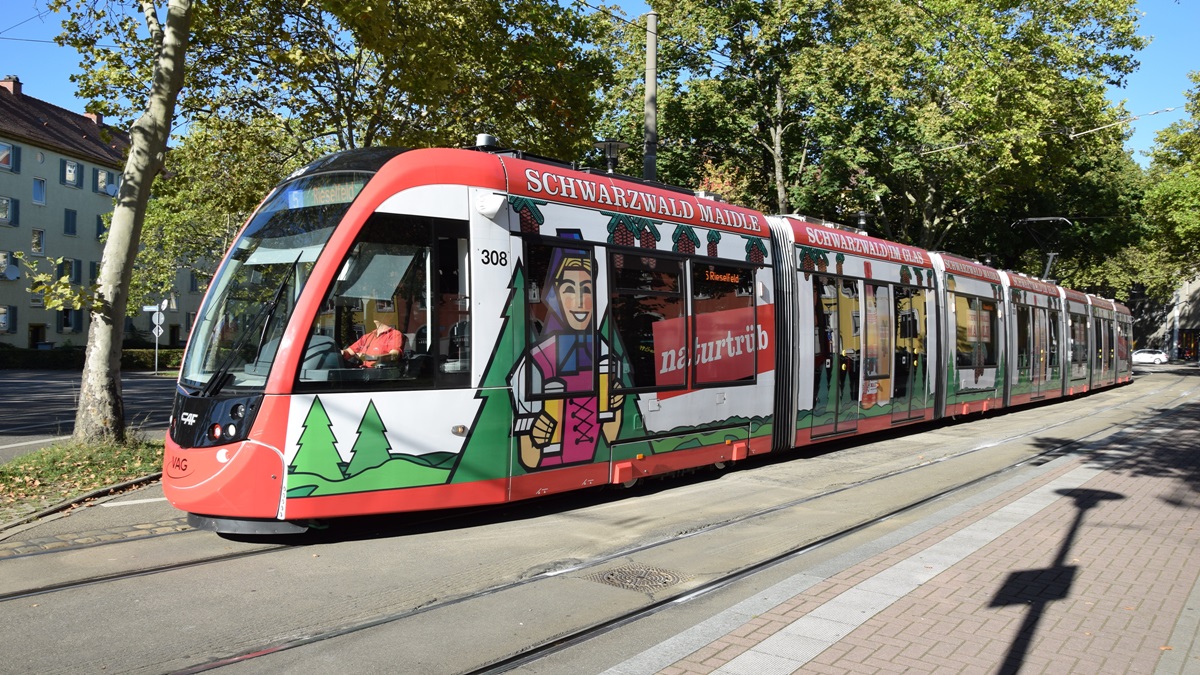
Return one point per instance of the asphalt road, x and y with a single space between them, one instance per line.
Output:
37 407
508 578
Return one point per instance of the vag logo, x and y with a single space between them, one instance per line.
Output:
188 418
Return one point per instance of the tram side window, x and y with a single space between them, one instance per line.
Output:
725 322
909 305
1103 349
1053 341
1122 344
648 317
1079 345
402 288
975 332
878 307
1025 337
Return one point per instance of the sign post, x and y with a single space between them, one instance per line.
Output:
158 318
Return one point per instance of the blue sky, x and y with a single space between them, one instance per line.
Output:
26 51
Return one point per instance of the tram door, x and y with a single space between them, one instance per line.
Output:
908 382
1041 352
838 355
1032 350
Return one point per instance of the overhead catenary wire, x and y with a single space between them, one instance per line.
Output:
728 63
1069 134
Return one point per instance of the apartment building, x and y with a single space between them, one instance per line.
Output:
58 173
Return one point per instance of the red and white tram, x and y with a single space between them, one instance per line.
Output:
406 330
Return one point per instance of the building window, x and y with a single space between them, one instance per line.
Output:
102 179
8 211
10 157
5 261
37 243
70 173
93 272
8 319
101 228
73 269
70 218
39 191
70 321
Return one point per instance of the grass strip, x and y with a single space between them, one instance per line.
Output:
46 477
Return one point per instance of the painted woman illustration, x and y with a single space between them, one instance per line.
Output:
563 389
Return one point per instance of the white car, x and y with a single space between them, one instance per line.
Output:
1155 356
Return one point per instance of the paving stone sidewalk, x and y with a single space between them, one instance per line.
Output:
1091 567
19 544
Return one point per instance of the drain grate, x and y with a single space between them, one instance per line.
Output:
639 578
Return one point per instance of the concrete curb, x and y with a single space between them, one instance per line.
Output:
66 504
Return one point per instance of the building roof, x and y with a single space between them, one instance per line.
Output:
45 125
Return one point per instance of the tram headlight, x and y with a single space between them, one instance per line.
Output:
238 412
214 432
231 430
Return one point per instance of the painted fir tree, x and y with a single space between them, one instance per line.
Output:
648 234
371 448
756 251
621 232
648 237
529 214
685 240
486 456
714 238
316 451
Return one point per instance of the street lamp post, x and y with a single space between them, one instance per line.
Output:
611 149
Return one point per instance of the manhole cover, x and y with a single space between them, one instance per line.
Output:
639 578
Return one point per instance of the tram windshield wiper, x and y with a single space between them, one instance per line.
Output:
221 376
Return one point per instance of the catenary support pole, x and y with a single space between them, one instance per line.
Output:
650 158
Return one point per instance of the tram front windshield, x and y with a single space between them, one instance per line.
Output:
248 303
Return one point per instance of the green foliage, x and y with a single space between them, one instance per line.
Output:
363 73
143 359
1131 272
71 358
54 284
947 120
213 180
13 358
1173 200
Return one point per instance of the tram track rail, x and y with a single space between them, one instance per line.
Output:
562 643
565 641
537 650
134 574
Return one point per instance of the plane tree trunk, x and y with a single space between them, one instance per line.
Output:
101 413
